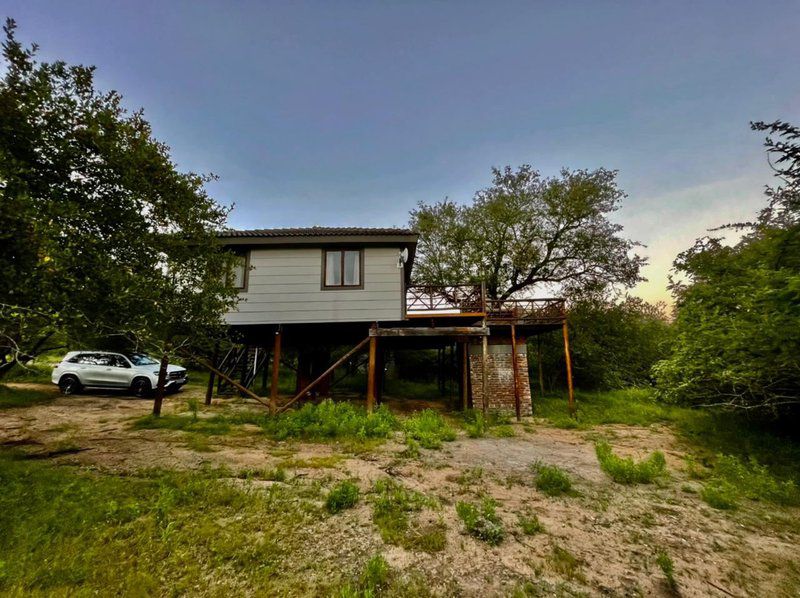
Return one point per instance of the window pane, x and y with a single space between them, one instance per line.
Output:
352 268
239 271
333 268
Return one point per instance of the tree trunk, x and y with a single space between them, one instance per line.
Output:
7 366
162 379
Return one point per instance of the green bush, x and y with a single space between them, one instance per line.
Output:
343 495
429 429
552 480
733 479
626 470
720 495
482 522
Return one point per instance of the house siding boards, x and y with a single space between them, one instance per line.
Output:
285 287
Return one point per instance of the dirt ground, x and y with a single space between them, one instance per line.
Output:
614 531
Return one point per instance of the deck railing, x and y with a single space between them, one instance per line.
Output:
469 300
453 300
529 311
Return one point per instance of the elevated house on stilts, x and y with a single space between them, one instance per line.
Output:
309 289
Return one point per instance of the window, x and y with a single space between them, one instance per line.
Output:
342 268
239 273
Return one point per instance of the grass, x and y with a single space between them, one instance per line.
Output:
493 424
392 507
277 474
530 525
428 429
343 495
552 480
565 563
664 563
69 531
732 480
24 397
626 470
481 521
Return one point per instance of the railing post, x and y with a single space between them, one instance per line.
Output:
483 296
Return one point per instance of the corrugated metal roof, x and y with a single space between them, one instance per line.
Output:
315 231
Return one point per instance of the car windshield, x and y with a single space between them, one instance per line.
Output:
141 359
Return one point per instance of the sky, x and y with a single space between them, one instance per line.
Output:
339 113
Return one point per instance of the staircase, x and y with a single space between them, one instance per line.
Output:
242 363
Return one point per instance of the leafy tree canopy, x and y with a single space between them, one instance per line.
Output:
100 234
738 307
526 230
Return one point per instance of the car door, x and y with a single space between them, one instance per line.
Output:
103 369
119 373
92 369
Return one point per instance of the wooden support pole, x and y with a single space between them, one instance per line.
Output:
568 360
484 366
232 382
464 375
324 374
515 368
210 388
373 348
276 369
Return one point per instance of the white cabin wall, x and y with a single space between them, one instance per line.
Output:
284 287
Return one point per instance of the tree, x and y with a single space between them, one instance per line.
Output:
100 235
526 231
738 307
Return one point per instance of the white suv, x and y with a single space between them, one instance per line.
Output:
101 369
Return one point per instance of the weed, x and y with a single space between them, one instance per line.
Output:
493 424
343 495
530 524
664 561
626 470
323 462
564 562
271 475
429 429
552 480
376 574
482 522
193 406
198 443
754 481
720 495
392 504
329 420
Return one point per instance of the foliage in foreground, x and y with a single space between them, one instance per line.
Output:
343 495
429 429
23 397
392 507
481 521
624 470
552 480
65 531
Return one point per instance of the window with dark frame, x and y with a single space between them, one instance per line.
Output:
342 268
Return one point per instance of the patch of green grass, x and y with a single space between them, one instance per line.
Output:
530 524
199 443
481 521
69 531
277 474
392 507
343 495
493 424
626 470
329 420
733 479
667 567
24 397
323 462
429 429
633 406
565 563
552 480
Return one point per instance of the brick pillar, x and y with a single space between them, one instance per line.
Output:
500 375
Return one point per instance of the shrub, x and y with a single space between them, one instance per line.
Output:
482 522
343 495
531 525
720 495
376 574
626 470
754 481
429 429
552 480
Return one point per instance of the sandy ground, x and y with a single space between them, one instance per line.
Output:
614 531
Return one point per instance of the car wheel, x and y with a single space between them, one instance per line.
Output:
69 385
141 387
